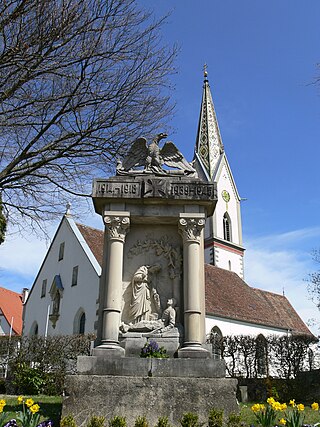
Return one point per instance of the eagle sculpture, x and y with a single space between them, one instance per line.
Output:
152 158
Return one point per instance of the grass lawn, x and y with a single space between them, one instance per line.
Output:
50 407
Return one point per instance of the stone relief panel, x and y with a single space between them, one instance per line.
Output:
152 276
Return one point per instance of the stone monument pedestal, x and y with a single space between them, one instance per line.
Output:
132 387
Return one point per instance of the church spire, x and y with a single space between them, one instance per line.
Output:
209 145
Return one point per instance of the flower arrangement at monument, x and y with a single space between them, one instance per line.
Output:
292 416
152 349
29 416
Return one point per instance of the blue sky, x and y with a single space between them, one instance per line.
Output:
262 61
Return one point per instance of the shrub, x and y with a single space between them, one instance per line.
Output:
141 422
117 422
215 418
163 422
39 365
68 421
28 380
234 420
96 421
190 420
2 386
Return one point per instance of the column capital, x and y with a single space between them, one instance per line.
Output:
117 224
190 227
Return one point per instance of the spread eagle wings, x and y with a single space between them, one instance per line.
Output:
172 157
136 155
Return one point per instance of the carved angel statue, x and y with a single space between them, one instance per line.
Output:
152 158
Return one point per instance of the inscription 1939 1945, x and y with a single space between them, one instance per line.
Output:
154 188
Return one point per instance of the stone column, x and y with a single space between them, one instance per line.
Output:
116 227
191 228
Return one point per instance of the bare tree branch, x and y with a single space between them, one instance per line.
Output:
79 81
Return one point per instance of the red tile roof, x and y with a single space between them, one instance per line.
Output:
228 296
11 307
94 239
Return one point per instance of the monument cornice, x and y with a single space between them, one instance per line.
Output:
150 188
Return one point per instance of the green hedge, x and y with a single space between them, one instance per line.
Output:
38 365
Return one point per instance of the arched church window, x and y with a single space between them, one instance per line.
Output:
261 355
79 322
229 264
226 227
82 323
216 340
34 330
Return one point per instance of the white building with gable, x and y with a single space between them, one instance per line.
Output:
63 297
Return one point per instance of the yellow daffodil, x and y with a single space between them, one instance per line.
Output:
283 421
2 402
1 409
270 400
34 408
20 399
315 406
283 406
300 407
29 402
292 402
257 407
277 406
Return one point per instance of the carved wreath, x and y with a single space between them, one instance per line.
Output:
161 247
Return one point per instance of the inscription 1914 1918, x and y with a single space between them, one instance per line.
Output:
154 188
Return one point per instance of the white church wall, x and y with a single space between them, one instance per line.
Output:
228 260
234 327
224 183
81 296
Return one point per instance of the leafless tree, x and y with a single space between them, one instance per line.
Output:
79 81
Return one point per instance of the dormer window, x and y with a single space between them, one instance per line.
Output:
226 227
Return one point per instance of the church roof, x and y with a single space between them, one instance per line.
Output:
11 308
94 239
228 296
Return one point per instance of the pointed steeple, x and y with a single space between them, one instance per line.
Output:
209 145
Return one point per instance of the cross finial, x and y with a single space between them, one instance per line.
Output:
68 209
205 71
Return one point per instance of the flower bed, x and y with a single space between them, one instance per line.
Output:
274 413
28 416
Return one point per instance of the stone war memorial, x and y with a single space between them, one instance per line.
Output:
152 290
